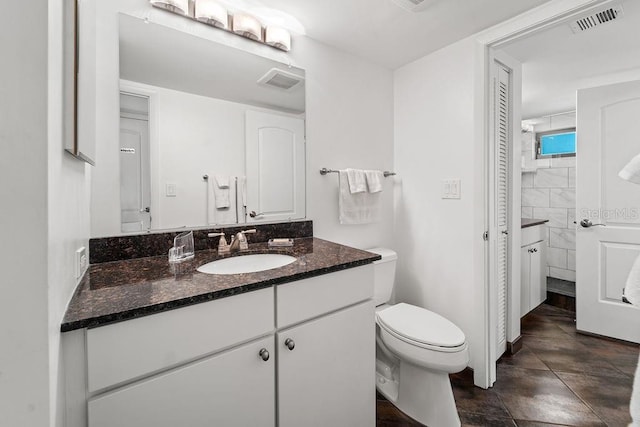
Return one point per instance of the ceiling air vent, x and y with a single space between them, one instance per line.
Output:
414 5
280 79
596 19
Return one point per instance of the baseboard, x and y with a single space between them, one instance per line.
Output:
561 301
514 346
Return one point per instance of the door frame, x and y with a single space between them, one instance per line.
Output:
523 25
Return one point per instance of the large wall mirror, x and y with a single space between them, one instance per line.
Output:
207 134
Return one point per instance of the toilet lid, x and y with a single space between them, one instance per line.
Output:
421 325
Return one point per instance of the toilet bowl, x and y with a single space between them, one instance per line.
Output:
416 351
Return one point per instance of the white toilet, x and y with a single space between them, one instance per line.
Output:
415 353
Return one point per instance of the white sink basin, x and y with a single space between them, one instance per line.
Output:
246 264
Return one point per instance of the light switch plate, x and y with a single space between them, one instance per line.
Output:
450 188
171 190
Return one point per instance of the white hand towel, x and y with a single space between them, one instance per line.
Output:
218 214
221 192
356 208
631 172
632 287
222 181
374 180
357 181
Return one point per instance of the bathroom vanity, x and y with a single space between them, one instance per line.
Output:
533 273
148 345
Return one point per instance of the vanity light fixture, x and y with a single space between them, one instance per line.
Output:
212 13
247 26
215 13
176 6
277 37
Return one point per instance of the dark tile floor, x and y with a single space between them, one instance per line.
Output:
559 377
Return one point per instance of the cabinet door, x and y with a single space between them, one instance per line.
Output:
525 278
327 378
233 388
538 290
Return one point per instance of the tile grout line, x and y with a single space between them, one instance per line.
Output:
580 398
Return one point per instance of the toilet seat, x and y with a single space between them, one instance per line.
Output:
421 327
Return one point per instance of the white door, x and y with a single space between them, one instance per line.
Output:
326 373
502 138
135 174
275 167
607 139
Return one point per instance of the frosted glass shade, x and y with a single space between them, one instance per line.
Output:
278 37
212 13
176 6
247 26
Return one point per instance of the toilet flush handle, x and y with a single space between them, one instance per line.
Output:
290 343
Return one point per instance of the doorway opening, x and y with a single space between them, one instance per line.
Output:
557 65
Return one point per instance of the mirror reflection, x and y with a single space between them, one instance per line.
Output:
209 134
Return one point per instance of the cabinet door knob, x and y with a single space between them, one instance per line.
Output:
290 343
264 354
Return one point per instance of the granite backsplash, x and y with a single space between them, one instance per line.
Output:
108 249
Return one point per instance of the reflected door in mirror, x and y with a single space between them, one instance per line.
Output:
135 191
275 167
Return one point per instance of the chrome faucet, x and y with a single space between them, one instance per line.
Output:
239 241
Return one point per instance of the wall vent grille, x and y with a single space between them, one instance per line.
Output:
414 5
596 19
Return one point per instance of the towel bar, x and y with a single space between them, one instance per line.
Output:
325 171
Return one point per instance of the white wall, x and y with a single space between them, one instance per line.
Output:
24 358
44 215
68 213
349 124
438 136
349 119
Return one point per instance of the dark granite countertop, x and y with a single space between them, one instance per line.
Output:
121 290
531 222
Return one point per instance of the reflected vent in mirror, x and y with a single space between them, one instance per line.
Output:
596 19
280 79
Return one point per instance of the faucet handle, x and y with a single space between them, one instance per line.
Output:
252 231
215 235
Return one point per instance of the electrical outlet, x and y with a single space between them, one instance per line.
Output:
82 262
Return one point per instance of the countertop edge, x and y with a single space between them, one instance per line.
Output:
209 296
531 222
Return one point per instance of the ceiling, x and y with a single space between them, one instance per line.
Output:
556 62
384 33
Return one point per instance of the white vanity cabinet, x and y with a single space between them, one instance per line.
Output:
326 350
325 370
210 392
533 273
295 354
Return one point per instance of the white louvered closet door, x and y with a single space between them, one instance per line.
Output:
502 128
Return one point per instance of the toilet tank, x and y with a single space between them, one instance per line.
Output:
384 274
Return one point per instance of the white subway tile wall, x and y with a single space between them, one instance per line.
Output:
549 192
